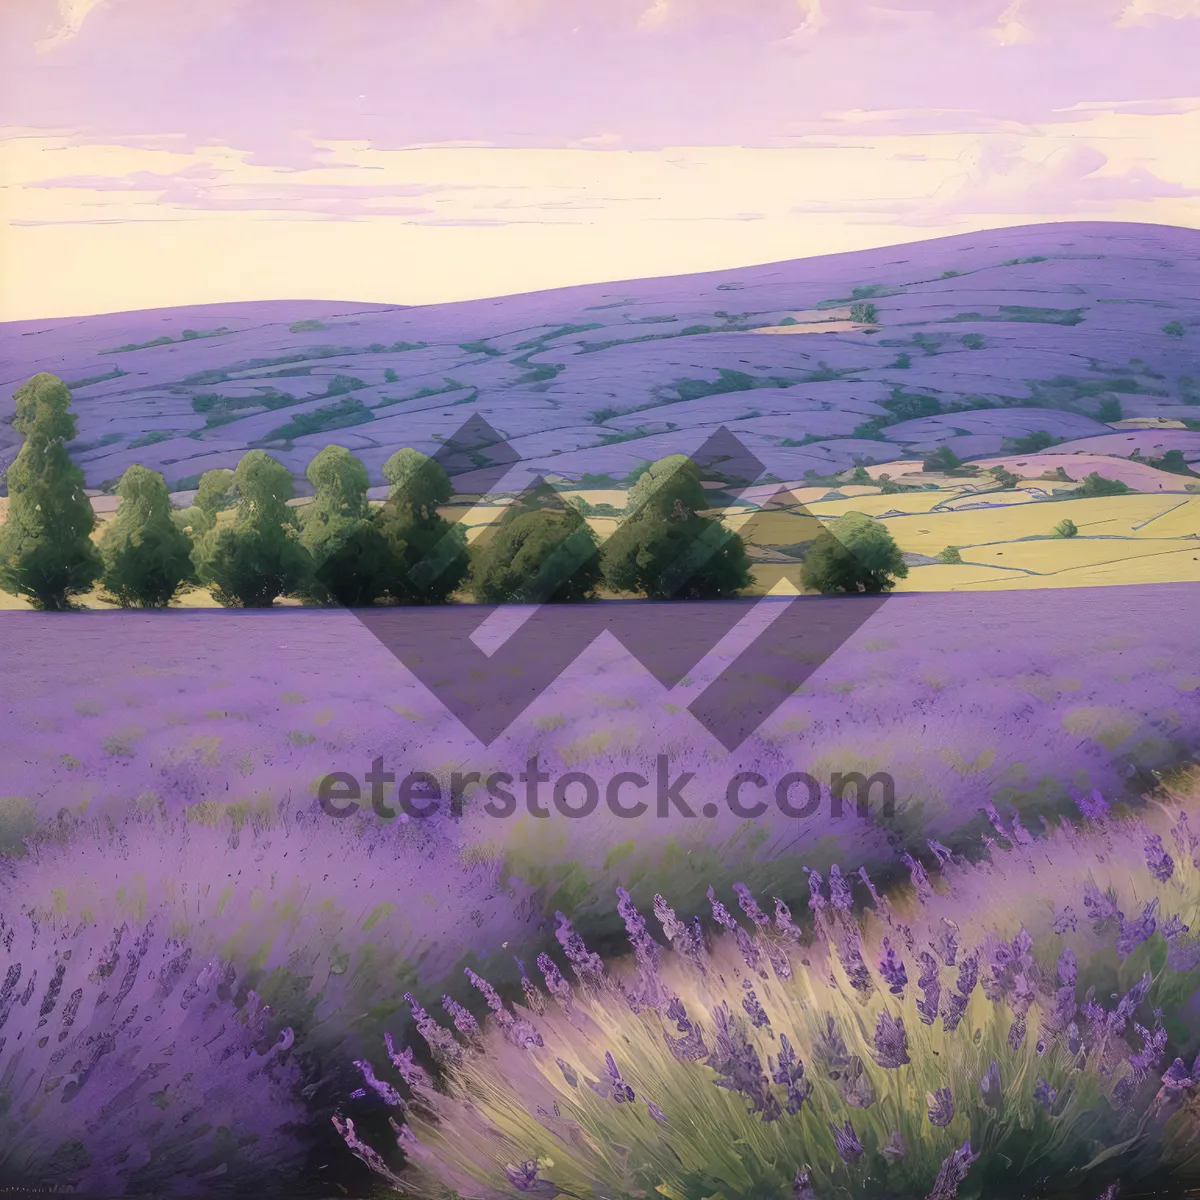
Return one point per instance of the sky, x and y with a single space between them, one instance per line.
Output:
164 152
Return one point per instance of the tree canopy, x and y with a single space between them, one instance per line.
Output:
258 556
46 551
856 554
146 556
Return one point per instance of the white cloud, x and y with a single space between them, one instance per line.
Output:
813 22
1138 12
71 15
1010 31
656 15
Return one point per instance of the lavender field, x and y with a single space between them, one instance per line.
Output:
200 962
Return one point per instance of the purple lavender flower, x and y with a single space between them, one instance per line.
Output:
1134 932
1173 927
895 1148
621 1092
754 1009
568 1073
441 1041
846 1140
816 901
464 1022
788 1072
1044 1094
750 906
738 1067
892 970
1178 1078
1161 864
691 1047
1185 841
656 1113
1092 808
784 922
524 1178
720 913
952 1173
941 1107
1100 906
891 1042
946 946
556 985
839 891
1066 921
534 998
919 879
386 1092
588 966
931 989
802 1188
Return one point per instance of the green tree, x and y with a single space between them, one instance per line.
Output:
856 554
951 555
213 496
861 476
352 560
1004 477
1096 484
864 313
258 556
46 551
147 557
537 554
1066 528
942 459
429 559
1174 328
665 550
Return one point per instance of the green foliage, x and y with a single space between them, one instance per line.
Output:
951 555
305 326
353 561
428 555
972 341
538 554
942 459
1110 410
862 476
46 552
258 557
390 376
1004 477
1172 461
1038 440
855 554
214 494
903 362
864 313
666 550
727 381
146 557
1096 484
1066 529
1174 329
348 411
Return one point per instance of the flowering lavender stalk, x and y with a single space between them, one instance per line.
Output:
122 1044
1099 1070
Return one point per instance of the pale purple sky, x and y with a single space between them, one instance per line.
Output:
126 112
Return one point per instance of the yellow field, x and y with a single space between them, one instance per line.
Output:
1118 516
1054 555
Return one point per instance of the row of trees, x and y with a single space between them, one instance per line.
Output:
339 549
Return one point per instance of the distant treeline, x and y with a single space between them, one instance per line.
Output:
339 550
